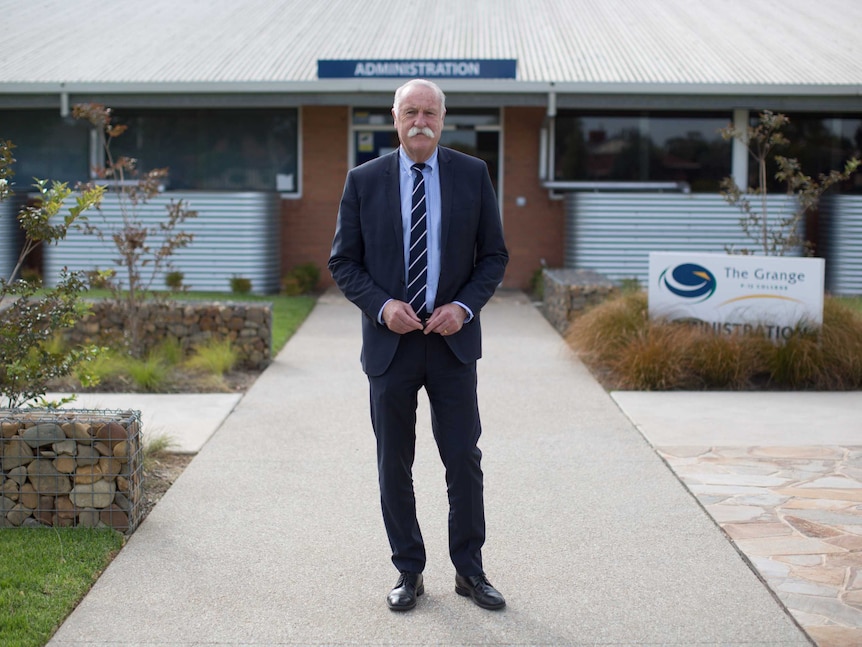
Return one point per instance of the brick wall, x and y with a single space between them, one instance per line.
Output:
309 223
533 231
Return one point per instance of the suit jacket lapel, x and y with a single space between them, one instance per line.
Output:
446 190
392 189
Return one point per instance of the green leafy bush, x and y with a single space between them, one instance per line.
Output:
174 280
31 317
240 285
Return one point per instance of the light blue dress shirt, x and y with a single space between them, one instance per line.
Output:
431 173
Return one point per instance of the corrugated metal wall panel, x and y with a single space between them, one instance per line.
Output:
235 234
613 233
844 244
10 238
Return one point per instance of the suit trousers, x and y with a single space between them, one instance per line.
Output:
426 361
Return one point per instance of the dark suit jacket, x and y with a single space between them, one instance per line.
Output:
367 259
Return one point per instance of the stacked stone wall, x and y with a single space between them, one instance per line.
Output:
71 468
248 326
567 293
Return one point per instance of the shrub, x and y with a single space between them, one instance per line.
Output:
174 280
240 285
31 317
302 279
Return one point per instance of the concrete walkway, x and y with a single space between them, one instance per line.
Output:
272 535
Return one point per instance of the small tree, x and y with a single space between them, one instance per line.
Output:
30 318
144 252
775 234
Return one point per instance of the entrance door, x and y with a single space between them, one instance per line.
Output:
476 132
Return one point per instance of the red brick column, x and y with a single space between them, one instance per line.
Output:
309 223
533 231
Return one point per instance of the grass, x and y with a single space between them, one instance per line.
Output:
43 574
216 357
629 351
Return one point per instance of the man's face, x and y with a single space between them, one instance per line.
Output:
419 122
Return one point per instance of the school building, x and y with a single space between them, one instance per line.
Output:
599 119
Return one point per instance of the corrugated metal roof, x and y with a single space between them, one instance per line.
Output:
652 42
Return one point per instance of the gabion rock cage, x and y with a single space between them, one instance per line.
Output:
71 467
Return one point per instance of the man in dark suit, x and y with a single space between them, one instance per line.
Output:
420 301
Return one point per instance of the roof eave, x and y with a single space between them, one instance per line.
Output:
507 86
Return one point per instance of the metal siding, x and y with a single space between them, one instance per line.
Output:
844 244
235 234
613 233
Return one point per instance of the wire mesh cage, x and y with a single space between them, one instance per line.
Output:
71 467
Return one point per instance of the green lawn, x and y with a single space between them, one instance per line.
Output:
44 573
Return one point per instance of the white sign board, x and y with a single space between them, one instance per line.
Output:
730 293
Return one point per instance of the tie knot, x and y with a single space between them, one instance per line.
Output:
418 167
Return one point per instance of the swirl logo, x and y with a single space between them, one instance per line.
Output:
689 281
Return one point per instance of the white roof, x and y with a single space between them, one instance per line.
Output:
702 45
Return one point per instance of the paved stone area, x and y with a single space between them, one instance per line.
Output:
796 514
781 474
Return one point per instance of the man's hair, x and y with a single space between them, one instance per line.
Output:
400 92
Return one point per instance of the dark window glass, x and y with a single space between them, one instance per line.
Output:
47 147
820 143
213 150
649 147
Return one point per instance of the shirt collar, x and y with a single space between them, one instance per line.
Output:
406 162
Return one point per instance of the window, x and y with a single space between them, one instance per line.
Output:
215 150
642 147
47 147
820 143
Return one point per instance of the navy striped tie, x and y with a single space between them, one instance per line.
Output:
417 268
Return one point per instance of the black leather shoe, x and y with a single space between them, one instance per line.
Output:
479 588
408 587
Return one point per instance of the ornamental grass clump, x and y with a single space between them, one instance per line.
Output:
216 357
653 359
151 373
627 350
721 361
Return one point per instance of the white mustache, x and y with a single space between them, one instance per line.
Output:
420 131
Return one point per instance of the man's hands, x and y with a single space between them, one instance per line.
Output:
400 318
445 320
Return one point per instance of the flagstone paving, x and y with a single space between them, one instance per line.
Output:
796 514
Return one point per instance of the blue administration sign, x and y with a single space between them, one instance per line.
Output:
503 68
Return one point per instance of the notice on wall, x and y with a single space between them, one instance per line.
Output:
729 294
